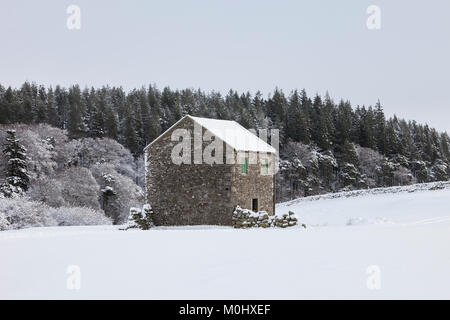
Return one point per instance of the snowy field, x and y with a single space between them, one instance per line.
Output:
402 239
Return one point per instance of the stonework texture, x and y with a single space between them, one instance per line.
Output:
194 194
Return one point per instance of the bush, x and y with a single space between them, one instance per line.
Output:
78 216
97 151
23 213
19 213
4 223
79 188
47 190
140 218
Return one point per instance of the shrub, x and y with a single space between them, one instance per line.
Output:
141 219
19 213
24 213
47 190
79 188
4 223
77 216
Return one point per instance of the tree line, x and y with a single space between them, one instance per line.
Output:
327 127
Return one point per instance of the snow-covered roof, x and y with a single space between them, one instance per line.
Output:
230 132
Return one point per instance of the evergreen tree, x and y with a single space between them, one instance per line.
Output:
445 141
276 106
379 128
296 123
343 123
348 153
392 139
7 106
111 124
16 173
27 103
62 106
75 124
51 112
130 139
41 105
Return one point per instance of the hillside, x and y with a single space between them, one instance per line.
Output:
325 145
401 235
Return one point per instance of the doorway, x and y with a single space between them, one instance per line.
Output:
255 205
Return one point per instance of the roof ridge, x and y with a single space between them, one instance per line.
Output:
239 143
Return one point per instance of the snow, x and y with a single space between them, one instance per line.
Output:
232 133
107 189
406 234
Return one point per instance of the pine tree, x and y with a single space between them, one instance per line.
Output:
349 173
111 124
276 106
129 135
296 123
343 123
316 110
6 106
379 128
89 101
170 111
27 103
327 118
62 106
392 138
320 124
16 173
246 114
51 112
3 107
348 153
75 125
41 105
148 126
427 144
445 141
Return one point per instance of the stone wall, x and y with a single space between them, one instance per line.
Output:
244 218
254 184
186 194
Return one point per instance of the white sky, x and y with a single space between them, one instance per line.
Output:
244 45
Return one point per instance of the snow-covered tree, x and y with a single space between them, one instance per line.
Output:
79 188
77 216
140 218
20 212
47 190
117 192
17 178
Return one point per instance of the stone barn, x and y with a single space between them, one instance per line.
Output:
200 169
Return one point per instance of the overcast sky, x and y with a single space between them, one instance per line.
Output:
245 45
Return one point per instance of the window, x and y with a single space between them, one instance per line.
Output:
255 205
265 166
244 165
